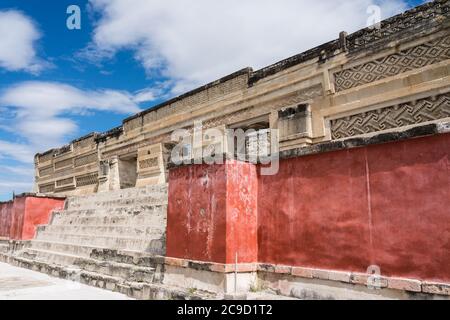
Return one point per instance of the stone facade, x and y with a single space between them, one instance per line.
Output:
363 126
369 82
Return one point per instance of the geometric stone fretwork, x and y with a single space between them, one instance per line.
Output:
64 182
87 180
406 60
84 160
63 164
47 188
148 163
428 109
242 115
46 171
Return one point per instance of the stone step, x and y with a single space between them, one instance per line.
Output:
127 211
139 194
65 248
144 218
125 193
104 230
147 244
112 203
51 257
150 245
128 257
138 290
4 248
145 290
125 271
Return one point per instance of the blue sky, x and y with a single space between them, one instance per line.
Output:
57 84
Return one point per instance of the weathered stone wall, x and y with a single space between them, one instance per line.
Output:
73 167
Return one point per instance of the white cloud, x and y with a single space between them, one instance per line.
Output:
17 178
26 171
41 108
7 187
17 43
198 41
52 98
39 113
16 151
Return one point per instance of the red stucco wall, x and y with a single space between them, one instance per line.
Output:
313 213
196 219
385 205
242 212
212 213
20 218
5 218
38 212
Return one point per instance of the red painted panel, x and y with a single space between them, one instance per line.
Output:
314 213
385 205
242 197
38 212
196 218
26 213
212 213
5 218
18 215
410 203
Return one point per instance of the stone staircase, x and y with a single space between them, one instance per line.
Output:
131 220
113 240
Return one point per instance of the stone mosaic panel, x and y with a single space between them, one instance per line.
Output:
46 171
64 182
429 109
148 163
63 164
413 58
47 188
85 160
87 180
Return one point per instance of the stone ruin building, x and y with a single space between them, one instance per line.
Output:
363 126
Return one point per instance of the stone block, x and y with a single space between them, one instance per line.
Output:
340 276
364 279
321 274
283 269
302 272
436 288
405 284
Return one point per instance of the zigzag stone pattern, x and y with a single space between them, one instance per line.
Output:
429 109
413 58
